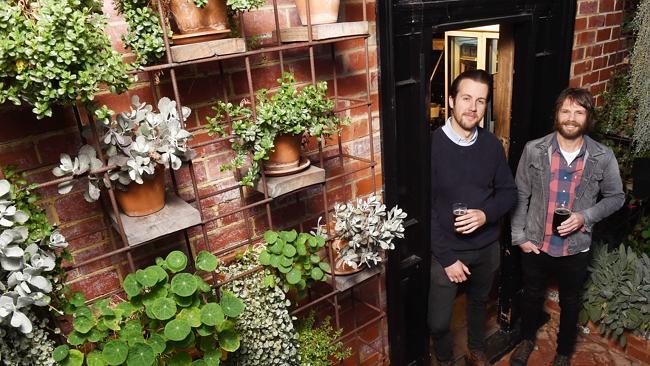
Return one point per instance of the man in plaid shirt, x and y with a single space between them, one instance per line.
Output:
565 168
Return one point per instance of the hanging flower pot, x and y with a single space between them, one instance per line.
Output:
322 11
191 19
286 157
340 267
143 199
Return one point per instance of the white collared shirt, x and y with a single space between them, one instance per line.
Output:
456 138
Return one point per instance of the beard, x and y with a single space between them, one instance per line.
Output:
467 123
570 135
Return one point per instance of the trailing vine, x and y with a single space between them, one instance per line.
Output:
640 77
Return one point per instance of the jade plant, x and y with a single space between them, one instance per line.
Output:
368 229
617 293
268 336
55 52
295 257
170 315
288 110
136 143
317 344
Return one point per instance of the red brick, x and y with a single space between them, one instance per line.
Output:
577 54
354 11
352 86
596 89
581 67
73 206
20 122
575 82
620 4
616 32
605 6
22 155
605 74
122 102
587 7
98 285
263 21
590 78
265 77
585 38
348 45
364 186
599 101
580 24
90 254
596 21
594 51
356 61
612 46
603 34
614 19
115 31
108 8
50 148
600 62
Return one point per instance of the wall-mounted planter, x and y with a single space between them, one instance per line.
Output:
143 199
286 157
322 11
199 24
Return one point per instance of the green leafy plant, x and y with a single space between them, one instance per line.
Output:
639 238
640 77
244 5
616 114
268 336
618 293
144 34
136 143
289 110
295 258
54 52
317 345
168 312
18 349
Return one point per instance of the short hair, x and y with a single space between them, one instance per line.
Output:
583 98
479 76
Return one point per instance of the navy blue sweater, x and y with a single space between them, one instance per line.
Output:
477 175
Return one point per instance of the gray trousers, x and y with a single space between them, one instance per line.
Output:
483 265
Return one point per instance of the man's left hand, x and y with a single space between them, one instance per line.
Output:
469 222
573 223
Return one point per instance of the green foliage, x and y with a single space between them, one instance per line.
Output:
617 296
317 345
244 5
55 51
18 349
167 312
640 77
144 34
617 112
267 333
288 111
639 238
295 258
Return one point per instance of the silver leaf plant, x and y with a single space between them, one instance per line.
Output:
368 228
136 143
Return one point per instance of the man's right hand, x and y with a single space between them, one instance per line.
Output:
528 247
457 272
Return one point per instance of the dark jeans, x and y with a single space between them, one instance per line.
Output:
571 273
482 264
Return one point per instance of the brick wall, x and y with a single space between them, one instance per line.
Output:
599 45
35 145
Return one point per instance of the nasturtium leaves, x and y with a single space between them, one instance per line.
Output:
126 308
140 354
176 261
288 236
96 335
289 250
83 324
163 308
317 274
184 301
265 257
232 306
314 258
275 260
286 262
200 363
78 299
203 286
206 261
301 249
111 323
184 284
187 342
132 332
131 286
294 276
212 357
212 314
177 329
157 343
159 271
60 353
180 359
95 358
277 247
75 358
270 236
325 266
302 238
205 330
156 293
146 277
83 312
75 338
229 340
115 352
284 269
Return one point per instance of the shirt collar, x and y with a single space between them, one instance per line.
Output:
456 138
555 146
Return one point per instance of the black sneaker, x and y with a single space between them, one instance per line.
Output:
520 356
561 360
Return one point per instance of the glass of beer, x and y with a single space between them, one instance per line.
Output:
458 209
560 214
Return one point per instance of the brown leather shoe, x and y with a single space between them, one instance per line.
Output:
476 358
520 356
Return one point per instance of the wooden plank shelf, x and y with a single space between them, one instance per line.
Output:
343 283
219 47
278 186
175 216
323 31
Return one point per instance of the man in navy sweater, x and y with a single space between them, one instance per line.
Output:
468 165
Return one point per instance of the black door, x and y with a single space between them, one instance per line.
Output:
543 32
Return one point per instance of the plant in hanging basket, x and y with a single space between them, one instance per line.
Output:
170 318
138 143
288 111
367 229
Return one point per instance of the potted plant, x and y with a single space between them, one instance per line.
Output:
280 121
363 231
317 344
170 318
140 144
55 53
321 11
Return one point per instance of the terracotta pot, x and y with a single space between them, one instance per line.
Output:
143 199
286 155
191 19
343 269
322 11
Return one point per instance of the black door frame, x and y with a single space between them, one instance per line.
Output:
543 32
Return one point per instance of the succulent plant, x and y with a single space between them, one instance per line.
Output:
368 229
35 348
136 142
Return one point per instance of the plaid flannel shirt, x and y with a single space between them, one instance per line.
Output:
565 178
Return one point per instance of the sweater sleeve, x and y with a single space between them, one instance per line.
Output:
505 190
439 246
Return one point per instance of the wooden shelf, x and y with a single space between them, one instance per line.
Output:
323 31
196 51
175 216
278 186
343 283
